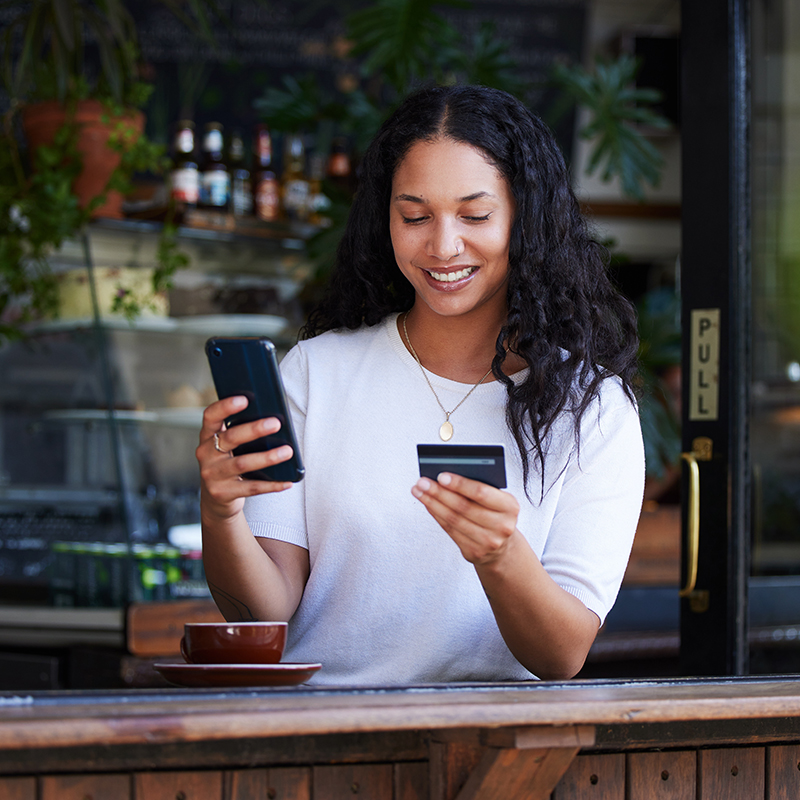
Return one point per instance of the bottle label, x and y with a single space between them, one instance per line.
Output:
267 197
241 196
185 185
212 141
339 165
185 143
264 148
215 187
295 198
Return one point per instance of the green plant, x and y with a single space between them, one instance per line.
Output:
619 115
619 111
48 53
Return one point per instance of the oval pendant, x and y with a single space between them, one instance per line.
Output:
446 431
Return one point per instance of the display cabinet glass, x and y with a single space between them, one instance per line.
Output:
99 415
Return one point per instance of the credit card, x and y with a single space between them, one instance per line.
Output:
480 462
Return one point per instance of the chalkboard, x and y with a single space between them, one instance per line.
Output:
260 41
266 39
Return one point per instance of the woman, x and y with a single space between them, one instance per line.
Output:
468 302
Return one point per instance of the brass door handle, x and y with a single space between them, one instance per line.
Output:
701 451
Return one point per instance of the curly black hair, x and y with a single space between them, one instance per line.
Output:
565 317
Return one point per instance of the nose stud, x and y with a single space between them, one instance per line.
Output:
457 253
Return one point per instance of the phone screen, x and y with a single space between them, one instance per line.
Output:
249 366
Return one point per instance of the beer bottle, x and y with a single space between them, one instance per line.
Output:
340 167
215 180
266 190
241 190
184 177
319 203
294 183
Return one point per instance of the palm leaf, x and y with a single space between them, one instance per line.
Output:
404 40
486 61
617 109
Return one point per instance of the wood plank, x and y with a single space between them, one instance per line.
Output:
357 781
172 785
288 783
507 774
599 208
732 773
451 764
595 777
671 775
228 754
155 629
244 784
18 788
167 718
411 780
85 787
783 773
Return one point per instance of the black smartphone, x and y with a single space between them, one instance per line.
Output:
249 366
480 462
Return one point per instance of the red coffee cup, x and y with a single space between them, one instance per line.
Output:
233 642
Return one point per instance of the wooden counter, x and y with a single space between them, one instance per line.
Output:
672 739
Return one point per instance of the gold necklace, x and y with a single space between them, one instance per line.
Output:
446 428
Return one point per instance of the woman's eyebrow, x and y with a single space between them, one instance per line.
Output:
476 196
410 198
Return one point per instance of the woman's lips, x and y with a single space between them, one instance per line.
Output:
450 279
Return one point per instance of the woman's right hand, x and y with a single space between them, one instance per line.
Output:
222 488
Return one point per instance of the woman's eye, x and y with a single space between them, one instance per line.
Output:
413 220
477 219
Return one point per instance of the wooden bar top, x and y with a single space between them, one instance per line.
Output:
66 719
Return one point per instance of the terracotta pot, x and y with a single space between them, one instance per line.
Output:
41 121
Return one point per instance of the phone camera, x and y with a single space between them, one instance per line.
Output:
216 351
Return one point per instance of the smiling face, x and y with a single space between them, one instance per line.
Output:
450 221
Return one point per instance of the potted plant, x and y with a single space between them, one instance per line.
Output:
620 114
71 139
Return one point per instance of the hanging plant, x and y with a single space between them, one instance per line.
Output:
47 54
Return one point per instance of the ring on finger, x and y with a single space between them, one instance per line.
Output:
217 447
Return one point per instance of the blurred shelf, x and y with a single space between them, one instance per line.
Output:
204 325
179 417
61 627
233 325
221 227
59 495
144 323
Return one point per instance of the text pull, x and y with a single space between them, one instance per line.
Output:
704 365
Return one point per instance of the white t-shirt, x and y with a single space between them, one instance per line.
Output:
390 599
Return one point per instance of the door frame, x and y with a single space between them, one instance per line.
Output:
715 274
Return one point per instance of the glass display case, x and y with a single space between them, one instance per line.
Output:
99 415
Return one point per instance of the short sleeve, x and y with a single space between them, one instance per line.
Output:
591 535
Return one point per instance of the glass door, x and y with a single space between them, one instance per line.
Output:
774 431
740 286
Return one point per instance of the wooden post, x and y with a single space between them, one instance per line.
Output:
503 763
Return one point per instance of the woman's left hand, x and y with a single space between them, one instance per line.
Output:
478 518
548 630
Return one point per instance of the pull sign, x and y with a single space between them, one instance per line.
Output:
704 365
